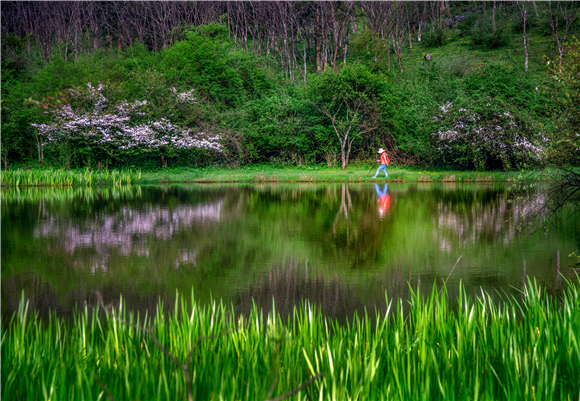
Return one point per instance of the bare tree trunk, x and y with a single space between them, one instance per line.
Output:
526 50
419 32
318 37
40 149
522 19
493 17
304 54
568 11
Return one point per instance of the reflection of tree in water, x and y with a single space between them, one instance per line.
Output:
126 230
345 206
44 299
290 283
480 220
355 234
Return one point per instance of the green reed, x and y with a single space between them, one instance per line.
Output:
525 349
65 193
60 177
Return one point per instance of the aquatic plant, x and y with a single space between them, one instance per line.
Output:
60 177
524 349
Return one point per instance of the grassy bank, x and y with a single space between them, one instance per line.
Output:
525 350
254 173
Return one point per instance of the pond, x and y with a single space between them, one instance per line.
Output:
345 247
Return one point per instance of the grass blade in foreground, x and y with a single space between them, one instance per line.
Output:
525 350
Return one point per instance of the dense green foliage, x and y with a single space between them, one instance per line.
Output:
262 114
524 349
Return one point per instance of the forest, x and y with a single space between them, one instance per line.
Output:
465 85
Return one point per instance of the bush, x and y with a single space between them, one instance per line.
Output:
94 130
435 35
207 60
467 24
487 136
483 35
453 67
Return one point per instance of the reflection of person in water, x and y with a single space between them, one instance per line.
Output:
384 200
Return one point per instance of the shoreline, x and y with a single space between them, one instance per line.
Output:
256 174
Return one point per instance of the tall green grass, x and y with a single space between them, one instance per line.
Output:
60 194
63 178
524 349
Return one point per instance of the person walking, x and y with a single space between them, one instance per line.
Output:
384 163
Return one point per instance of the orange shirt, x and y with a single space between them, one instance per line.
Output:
384 158
384 203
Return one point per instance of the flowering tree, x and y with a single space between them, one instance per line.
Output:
486 136
96 128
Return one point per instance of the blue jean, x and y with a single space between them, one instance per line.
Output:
383 192
382 167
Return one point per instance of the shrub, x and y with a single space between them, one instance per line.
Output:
483 34
486 136
508 84
93 129
208 60
434 35
467 24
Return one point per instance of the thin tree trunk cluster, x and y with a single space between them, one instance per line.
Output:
294 35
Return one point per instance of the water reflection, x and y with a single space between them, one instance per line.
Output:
484 219
384 200
288 284
50 194
126 230
345 207
327 243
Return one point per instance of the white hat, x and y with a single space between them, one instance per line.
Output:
381 150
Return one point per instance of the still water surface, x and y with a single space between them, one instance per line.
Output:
342 246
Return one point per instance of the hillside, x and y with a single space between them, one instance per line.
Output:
294 84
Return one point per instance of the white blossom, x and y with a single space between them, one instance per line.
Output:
116 126
185 97
497 135
446 107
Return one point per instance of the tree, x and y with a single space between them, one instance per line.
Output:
348 98
378 18
486 136
522 17
95 129
562 15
